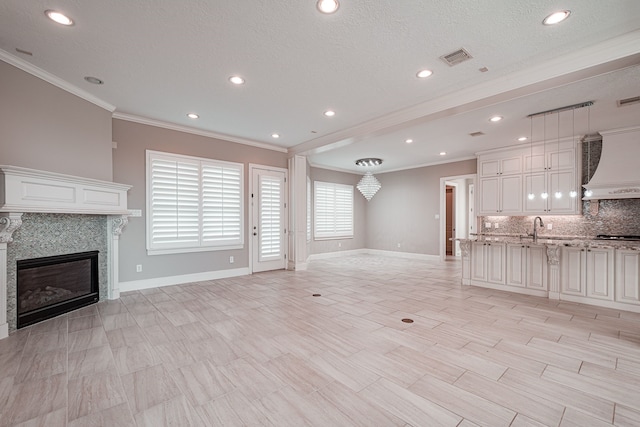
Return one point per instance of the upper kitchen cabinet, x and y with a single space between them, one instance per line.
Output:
508 176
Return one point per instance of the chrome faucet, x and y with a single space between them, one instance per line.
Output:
535 230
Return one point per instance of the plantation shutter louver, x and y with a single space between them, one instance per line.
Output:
333 210
193 204
270 217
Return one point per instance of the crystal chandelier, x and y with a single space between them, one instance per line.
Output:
369 184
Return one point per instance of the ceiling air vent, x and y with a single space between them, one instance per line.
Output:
628 101
456 57
476 134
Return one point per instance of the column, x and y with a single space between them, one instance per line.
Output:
9 223
298 213
553 259
465 245
115 226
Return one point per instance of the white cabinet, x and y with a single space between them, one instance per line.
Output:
527 266
501 166
550 182
509 175
501 195
488 262
587 272
628 276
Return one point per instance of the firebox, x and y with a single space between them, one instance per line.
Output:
50 286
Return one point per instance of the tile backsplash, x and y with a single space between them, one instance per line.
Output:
613 217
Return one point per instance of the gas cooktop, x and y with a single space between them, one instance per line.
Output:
617 237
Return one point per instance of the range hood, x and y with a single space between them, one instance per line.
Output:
618 173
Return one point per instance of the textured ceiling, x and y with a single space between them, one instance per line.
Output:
161 59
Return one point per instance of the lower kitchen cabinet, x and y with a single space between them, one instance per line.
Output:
587 272
527 266
488 262
628 276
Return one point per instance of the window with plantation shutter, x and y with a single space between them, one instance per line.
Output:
333 210
193 204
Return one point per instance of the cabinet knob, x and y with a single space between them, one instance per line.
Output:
523 246
581 250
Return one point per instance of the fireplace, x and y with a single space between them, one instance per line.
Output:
50 286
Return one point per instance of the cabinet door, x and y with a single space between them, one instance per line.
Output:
489 199
489 168
564 182
495 263
511 165
562 159
535 160
572 280
536 184
599 273
511 194
516 265
627 276
478 261
537 267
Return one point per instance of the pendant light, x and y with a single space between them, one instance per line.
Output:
531 194
588 193
573 193
558 193
544 194
369 184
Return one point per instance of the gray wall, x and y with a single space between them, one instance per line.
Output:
403 210
129 167
43 127
360 213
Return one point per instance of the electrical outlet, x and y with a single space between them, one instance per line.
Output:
549 226
487 224
231 259
436 216
398 245
139 268
496 225
339 244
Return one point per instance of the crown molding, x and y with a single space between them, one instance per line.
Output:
54 80
194 131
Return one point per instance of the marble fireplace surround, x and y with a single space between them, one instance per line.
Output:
24 190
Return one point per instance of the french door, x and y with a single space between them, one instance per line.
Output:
268 218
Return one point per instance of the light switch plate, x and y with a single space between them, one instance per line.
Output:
496 225
135 212
549 226
487 224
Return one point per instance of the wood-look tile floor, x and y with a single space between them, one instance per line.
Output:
261 350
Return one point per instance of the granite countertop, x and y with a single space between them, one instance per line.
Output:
573 241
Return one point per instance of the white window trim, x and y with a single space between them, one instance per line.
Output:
308 203
347 234
201 247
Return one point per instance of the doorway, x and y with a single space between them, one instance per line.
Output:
267 236
457 213
450 219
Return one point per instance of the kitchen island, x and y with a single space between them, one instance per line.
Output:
571 268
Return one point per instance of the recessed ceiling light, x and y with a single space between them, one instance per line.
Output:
193 116
408 141
443 153
327 6
275 135
236 80
59 17
522 138
556 17
495 119
94 80
329 113
424 73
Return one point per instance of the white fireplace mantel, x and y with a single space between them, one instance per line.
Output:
24 190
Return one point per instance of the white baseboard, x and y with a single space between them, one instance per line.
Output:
4 330
327 255
407 255
136 285
366 251
297 266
